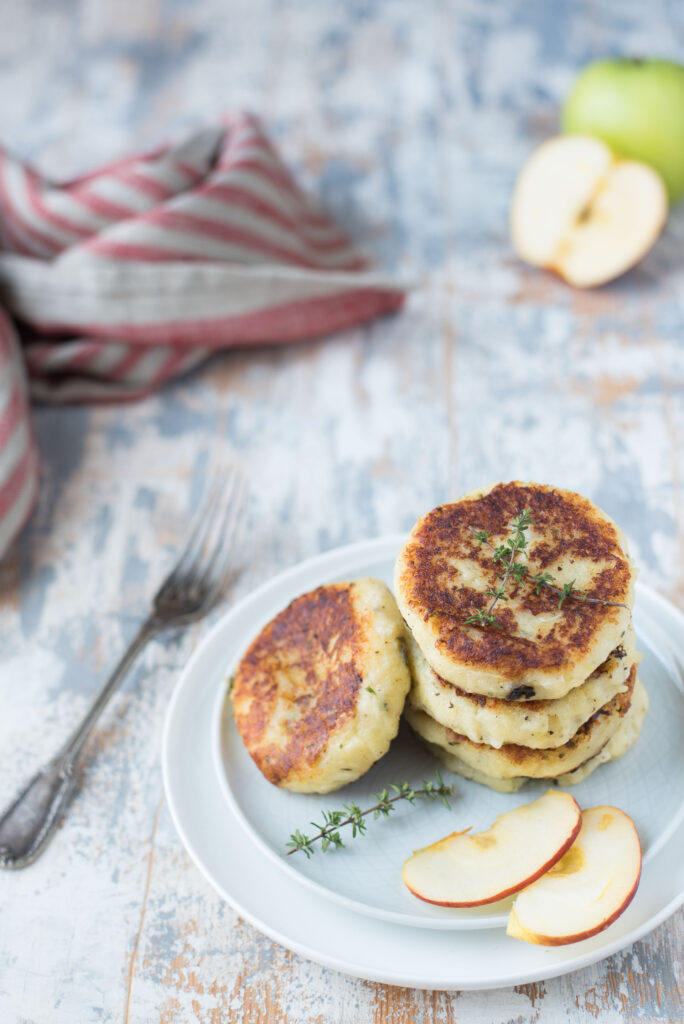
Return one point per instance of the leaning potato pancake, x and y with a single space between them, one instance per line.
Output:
512 760
318 695
534 649
532 723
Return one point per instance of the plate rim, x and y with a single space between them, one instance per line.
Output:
377 546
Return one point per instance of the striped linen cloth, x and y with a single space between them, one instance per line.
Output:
18 455
124 278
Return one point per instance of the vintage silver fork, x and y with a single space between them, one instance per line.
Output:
186 594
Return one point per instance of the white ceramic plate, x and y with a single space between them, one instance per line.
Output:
229 841
366 876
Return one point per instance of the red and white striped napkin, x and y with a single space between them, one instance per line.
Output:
124 278
19 471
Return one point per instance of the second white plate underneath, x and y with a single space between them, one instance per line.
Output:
366 875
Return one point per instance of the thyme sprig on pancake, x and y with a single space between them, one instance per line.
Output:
351 814
507 553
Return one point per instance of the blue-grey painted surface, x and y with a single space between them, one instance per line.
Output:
409 121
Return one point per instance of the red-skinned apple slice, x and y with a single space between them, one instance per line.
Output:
582 212
465 870
587 889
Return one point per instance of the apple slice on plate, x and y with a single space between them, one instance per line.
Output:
582 212
465 870
587 889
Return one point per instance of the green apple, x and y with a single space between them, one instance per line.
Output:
584 213
637 108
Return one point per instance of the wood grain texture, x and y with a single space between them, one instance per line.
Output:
408 121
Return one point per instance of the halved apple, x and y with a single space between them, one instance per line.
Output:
587 889
465 870
579 210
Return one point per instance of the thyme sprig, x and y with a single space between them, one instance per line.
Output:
351 814
505 553
518 571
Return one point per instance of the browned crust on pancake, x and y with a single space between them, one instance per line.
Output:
516 754
572 527
501 704
307 656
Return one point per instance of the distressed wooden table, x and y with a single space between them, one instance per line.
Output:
408 121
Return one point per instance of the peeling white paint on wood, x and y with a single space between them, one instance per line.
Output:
409 122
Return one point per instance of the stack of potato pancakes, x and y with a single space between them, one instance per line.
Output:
539 682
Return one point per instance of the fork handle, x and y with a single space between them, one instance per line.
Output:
29 822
